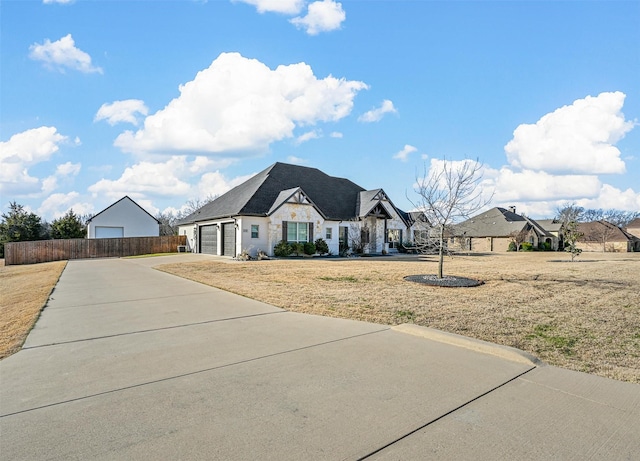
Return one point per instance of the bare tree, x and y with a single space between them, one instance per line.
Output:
569 212
194 204
168 222
601 231
358 236
519 237
449 192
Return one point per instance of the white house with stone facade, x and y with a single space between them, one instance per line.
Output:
296 204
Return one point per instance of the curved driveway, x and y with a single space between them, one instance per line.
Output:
127 362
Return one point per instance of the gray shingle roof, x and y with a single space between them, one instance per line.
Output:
496 222
335 197
550 225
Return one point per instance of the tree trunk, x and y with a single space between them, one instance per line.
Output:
441 252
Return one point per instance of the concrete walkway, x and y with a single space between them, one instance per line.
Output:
127 362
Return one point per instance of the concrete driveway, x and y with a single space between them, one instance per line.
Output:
127 362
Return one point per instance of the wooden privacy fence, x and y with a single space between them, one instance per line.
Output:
42 251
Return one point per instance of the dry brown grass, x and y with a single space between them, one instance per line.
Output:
583 316
24 292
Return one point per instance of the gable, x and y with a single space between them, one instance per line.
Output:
123 209
294 196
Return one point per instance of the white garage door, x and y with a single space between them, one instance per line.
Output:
103 232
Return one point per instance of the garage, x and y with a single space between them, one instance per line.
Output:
209 239
229 239
105 232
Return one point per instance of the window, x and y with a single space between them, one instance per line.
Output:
255 231
328 233
394 238
297 231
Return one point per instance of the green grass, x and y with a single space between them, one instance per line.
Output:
406 315
563 344
339 279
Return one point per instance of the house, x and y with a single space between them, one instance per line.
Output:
496 229
124 218
296 204
553 227
606 237
633 228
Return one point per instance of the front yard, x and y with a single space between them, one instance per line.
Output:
583 316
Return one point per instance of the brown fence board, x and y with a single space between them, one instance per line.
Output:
41 251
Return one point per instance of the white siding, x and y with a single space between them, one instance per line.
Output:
252 245
126 214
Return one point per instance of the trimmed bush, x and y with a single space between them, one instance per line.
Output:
309 248
321 246
526 246
512 246
282 249
297 248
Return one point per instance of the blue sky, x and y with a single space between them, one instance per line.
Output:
167 101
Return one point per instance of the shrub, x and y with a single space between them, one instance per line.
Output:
512 246
526 246
282 249
546 246
309 248
321 246
297 248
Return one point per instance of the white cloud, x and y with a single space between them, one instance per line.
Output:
308 136
148 178
336 134
215 183
579 138
375 115
240 105
122 111
276 6
57 205
530 185
611 197
403 155
322 16
68 169
296 160
62 2
62 54
22 151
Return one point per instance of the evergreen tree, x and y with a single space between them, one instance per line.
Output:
18 225
70 226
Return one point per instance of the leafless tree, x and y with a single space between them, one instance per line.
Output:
519 237
569 212
194 204
167 223
358 235
449 192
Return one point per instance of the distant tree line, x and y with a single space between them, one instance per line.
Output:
572 212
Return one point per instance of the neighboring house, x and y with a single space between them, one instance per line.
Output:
553 227
296 204
606 237
124 218
495 229
633 228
